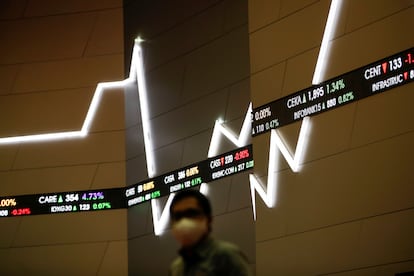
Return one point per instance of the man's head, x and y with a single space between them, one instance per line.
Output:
191 217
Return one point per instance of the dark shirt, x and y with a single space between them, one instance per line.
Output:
211 257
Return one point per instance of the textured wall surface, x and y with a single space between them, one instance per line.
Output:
197 71
52 55
350 209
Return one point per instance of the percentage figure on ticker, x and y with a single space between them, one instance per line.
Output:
8 202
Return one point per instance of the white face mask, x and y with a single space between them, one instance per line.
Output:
189 231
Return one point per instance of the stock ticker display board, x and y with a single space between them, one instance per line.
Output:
212 169
65 202
209 170
363 82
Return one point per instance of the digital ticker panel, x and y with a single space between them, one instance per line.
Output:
65 202
369 80
209 170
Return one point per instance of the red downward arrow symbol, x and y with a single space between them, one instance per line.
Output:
405 75
384 67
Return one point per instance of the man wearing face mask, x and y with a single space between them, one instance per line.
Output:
200 254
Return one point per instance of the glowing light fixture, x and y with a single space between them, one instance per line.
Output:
143 101
327 37
295 160
240 141
269 196
160 221
90 115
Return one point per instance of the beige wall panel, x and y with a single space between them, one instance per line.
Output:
8 74
172 14
94 148
87 72
7 156
71 228
164 85
383 116
330 133
57 7
369 44
106 37
138 169
168 157
46 38
380 270
349 186
266 86
109 175
140 220
289 7
387 239
47 180
299 72
218 192
273 222
132 109
262 13
362 13
340 188
238 103
240 196
47 85
115 261
287 37
397 267
71 259
235 14
296 254
238 219
143 263
180 123
134 136
216 65
174 43
196 147
110 112
261 154
45 112
9 227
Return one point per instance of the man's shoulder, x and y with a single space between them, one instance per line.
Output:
225 247
176 266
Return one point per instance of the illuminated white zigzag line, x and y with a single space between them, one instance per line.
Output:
330 27
269 196
100 88
240 141
160 218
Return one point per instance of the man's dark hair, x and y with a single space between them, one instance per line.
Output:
202 200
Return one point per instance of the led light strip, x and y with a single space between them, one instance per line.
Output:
269 196
328 34
240 141
90 115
